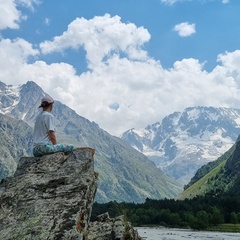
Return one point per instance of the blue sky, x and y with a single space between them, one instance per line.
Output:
124 63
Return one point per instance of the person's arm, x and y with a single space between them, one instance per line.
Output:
52 137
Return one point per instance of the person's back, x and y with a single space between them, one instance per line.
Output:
44 139
44 122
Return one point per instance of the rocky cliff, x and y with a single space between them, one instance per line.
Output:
50 198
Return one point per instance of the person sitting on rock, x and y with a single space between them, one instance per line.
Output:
44 139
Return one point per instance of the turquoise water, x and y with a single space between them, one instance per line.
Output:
181 234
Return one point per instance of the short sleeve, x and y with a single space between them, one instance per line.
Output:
50 123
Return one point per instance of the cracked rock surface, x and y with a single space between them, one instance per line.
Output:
49 197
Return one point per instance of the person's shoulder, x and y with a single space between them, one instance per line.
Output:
45 113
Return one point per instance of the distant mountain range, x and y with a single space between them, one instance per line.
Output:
184 141
125 174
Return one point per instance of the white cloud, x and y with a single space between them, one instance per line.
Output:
10 16
171 2
185 29
28 3
230 60
47 21
120 92
13 56
101 37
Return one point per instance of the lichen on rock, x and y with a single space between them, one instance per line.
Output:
49 197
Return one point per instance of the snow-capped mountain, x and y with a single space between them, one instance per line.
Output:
184 141
20 102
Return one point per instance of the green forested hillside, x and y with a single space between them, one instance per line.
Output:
207 168
218 178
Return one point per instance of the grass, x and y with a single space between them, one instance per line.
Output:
227 227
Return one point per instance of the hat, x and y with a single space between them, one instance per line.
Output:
46 101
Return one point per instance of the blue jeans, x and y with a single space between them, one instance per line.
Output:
41 150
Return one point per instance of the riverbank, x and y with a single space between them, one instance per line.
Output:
162 233
226 227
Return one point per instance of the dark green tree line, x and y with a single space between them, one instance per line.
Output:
196 213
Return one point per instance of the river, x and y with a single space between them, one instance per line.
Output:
183 234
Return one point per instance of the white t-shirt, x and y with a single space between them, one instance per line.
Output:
44 123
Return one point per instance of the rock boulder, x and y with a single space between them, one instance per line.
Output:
51 198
